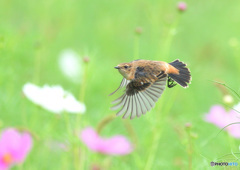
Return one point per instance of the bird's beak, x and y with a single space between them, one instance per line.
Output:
117 67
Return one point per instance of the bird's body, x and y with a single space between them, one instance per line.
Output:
145 81
147 69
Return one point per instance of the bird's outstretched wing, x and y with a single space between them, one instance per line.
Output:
124 83
140 96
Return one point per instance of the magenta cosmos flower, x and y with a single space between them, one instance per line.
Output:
116 145
182 6
14 147
221 118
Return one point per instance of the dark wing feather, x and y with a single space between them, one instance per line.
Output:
140 96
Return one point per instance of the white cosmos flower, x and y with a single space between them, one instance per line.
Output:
71 65
237 107
53 98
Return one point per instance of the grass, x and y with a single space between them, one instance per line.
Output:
205 36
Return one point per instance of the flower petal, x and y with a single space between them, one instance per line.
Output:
221 118
116 145
90 138
72 105
53 99
16 144
71 65
3 166
33 93
234 130
237 107
25 147
217 116
10 140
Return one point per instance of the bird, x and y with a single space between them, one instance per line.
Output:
144 82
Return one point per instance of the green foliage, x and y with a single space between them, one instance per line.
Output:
205 36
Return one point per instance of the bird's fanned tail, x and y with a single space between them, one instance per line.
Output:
184 76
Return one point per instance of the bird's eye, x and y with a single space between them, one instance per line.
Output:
126 67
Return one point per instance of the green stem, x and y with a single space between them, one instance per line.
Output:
72 140
82 159
235 93
136 47
68 125
158 131
76 156
170 103
82 92
169 39
231 141
189 149
131 132
168 44
37 67
153 150
83 86
80 164
237 56
36 79
104 122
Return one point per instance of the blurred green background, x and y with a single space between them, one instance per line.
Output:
205 36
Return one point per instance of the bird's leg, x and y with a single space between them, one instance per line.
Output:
171 82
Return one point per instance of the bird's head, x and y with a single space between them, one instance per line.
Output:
124 69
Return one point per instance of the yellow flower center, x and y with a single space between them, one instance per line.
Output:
7 158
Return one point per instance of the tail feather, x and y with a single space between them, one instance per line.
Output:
184 76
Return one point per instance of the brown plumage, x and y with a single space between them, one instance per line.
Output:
145 81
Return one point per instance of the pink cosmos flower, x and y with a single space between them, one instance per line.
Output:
116 145
221 118
182 6
14 147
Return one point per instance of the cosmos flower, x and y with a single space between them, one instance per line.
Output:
221 118
53 98
237 107
116 145
14 147
71 65
182 6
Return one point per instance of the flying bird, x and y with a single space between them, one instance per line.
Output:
144 82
